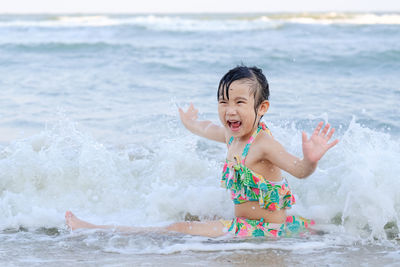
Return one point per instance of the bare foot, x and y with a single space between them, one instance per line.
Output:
74 222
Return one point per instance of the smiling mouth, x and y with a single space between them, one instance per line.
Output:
234 125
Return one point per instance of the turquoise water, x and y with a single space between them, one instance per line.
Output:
88 122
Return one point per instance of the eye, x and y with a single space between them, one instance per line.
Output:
241 102
222 102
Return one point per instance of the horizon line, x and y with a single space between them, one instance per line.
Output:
195 12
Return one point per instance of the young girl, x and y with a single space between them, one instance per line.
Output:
252 170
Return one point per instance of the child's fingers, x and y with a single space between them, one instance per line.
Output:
318 128
334 143
329 135
193 110
325 130
304 137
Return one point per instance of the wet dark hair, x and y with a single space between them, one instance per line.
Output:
260 87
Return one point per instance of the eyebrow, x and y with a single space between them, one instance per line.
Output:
240 98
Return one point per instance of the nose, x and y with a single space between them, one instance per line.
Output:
231 111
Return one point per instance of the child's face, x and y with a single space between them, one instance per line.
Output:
237 114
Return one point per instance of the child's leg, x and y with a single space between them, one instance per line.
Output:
208 228
74 223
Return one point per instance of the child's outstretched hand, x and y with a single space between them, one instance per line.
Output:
203 128
315 147
189 116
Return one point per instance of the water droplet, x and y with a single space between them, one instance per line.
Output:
253 208
295 162
190 227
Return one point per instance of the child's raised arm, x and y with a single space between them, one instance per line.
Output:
202 128
313 150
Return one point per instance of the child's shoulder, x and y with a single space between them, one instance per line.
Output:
263 139
265 143
264 136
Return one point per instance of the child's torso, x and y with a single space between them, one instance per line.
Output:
252 178
254 159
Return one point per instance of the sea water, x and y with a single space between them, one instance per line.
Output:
89 123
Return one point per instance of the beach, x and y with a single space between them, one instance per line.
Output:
89 123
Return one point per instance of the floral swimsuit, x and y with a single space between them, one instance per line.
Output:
246 185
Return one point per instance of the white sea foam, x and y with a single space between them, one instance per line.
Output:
205 23
85 21
309 246
152 22
63 21
344 18
356 185
62 169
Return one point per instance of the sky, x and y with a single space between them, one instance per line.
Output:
183 6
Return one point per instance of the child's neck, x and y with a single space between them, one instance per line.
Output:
246 137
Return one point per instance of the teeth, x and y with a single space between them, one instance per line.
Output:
234 124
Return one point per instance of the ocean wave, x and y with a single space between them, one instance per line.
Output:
341 18
60 21
151 22
48 47
356 184
355 187
63 168
203 22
